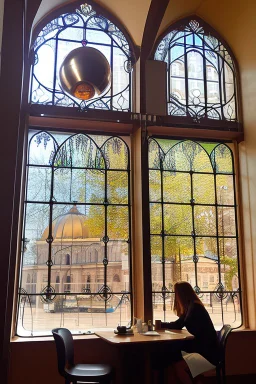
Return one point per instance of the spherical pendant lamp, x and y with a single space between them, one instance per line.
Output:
85 73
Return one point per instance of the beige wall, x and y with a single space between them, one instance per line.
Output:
132 13
236 22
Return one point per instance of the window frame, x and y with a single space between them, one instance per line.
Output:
53 110
125 123
166 292
23 241
204 123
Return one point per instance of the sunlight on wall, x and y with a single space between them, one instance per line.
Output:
132 14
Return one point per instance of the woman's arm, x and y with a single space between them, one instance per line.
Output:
178 324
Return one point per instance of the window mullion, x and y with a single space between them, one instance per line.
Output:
205 80
193 227
147 299
220 85
106 238
163 237
50 236
186 76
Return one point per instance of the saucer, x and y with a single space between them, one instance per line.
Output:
127 333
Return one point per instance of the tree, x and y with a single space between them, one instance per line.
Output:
183 192
230 271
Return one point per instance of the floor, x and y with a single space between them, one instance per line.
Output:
242 379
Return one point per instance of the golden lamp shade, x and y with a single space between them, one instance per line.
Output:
84 73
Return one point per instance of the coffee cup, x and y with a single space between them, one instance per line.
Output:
121 329
157 325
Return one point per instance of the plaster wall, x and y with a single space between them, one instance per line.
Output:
132 14
236 22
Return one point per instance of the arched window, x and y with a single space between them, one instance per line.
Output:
68 283
77 195
81 26
88 283
201 75
67 259
193 225
57 285
116 278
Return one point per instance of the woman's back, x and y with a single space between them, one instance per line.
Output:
199 324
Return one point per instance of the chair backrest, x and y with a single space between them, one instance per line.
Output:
222 337
65 348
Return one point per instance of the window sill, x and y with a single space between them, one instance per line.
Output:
19 339
243 329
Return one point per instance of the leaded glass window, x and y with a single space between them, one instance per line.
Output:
82 27
76 235
193 226
201 74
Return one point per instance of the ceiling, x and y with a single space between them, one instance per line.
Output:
226 16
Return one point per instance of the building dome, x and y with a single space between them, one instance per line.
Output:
71 225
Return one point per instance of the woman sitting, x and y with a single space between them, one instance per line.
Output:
205 349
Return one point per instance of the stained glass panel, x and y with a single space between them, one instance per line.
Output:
198 65
172 190
76 243
68 32
197 233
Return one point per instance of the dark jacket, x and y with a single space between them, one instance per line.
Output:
198 323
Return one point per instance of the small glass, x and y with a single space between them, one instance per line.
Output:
144 327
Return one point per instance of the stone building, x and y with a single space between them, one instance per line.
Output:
77 260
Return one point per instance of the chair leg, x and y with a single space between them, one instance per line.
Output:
158 376
223 374
218 375
109 380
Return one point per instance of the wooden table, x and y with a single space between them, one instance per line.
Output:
135 351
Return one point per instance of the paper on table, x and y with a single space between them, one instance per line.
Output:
150 333
197 363
180 335
172 333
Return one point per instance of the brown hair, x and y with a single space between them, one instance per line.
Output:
184 296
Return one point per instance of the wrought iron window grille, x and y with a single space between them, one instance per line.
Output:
193 225
82 27
77 199
202 75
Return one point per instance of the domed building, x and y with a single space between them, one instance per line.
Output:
67 226
78 263
77 259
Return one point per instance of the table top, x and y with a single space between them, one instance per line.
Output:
164 336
